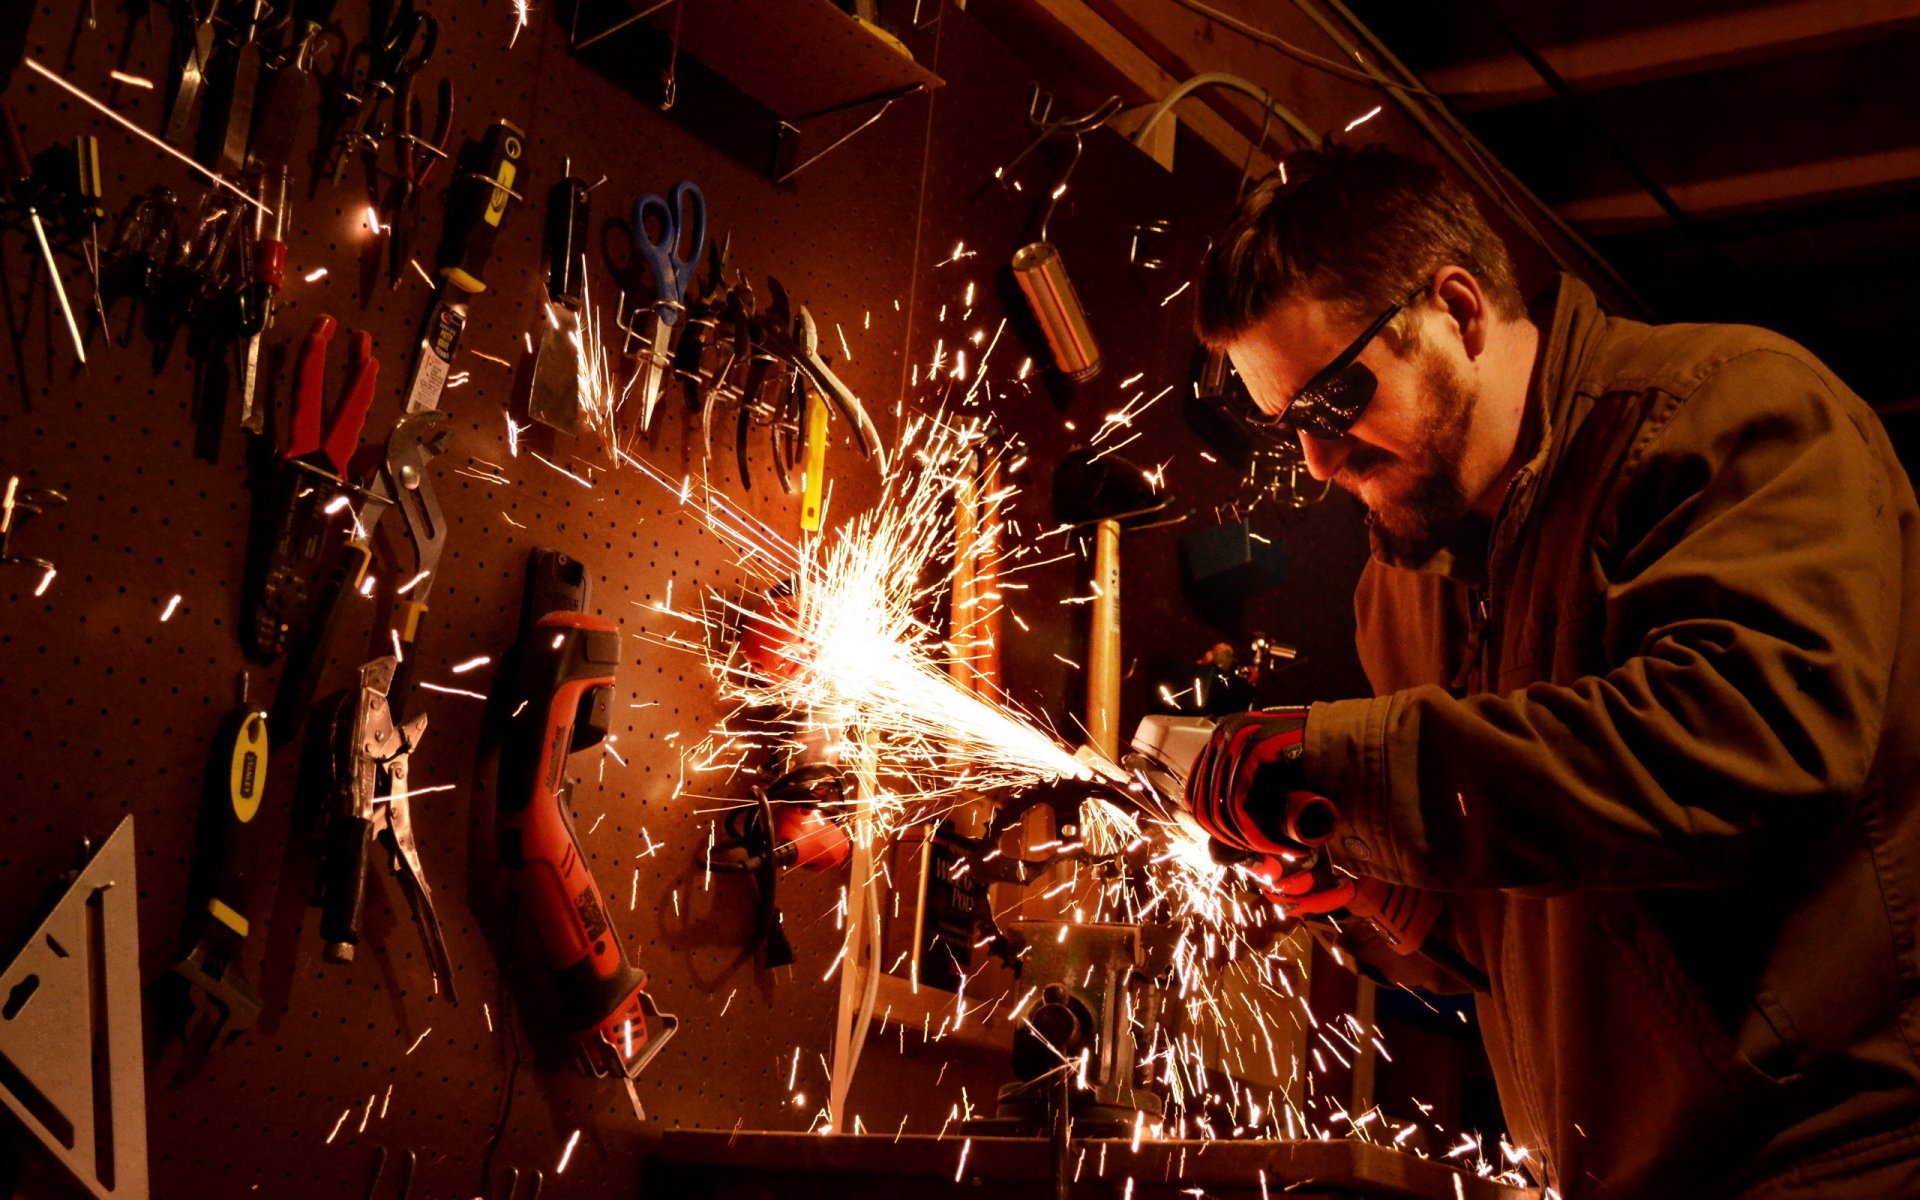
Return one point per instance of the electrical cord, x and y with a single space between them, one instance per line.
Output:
1245 87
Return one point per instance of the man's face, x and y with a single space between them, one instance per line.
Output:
1404 457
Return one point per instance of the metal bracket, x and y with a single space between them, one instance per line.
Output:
787 133
70 1035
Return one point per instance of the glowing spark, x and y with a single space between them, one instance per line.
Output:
424 277
366 586
217 180
447 691
471 664
521 12
373 220
410 584
1363 118
171 606
569 474
960 1170
46 581
418 1040
138 81
567 1154
336 504
315 275
344 1114
1169 297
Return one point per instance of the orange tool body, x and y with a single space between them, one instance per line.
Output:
564 703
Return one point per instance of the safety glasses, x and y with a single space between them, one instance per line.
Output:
1338 393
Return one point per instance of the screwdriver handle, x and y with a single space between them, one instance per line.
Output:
569 216
89 195
240 779
479 201
343 897
13 152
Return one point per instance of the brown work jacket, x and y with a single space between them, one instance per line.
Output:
1656 733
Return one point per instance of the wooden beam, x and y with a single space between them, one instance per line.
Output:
1799 183
1680 48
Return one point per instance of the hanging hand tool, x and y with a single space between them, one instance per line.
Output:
87 209
292 101
27 190
269 272
682 219
417 160
313 516
417 440
369 754
194 27
555 398
561 701
476 204
700 329
142 245
797 341
243 85
394 53
205 998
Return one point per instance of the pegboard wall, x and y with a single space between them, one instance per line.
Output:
112 690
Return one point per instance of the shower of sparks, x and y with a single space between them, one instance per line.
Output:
860 656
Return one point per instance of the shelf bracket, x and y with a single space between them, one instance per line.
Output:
787 132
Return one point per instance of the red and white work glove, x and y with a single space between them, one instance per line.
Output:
1248 787
1403 915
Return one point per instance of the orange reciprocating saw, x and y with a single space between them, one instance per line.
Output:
563 704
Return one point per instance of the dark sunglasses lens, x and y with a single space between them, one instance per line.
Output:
1330 409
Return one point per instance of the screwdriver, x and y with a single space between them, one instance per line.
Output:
269 270
90 210
25 188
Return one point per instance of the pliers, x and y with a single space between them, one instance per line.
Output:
417 158
310 524
798 342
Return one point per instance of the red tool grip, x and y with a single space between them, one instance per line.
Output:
363 372
566 687
309 374
270 262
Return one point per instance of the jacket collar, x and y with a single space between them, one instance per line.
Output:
1571 327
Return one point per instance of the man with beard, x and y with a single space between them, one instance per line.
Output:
1641 767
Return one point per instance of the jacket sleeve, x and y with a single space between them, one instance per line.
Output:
1752 611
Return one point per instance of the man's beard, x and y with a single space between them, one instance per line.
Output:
1416 523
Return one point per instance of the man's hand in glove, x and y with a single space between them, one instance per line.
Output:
1248 788
1403 915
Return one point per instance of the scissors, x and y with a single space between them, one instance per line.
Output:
682 218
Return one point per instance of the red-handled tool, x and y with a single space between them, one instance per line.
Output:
563 703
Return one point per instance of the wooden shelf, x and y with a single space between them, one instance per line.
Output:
804 58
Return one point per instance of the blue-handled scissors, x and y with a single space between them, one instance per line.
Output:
672 271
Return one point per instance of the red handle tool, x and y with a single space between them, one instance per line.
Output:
342 437
565 697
